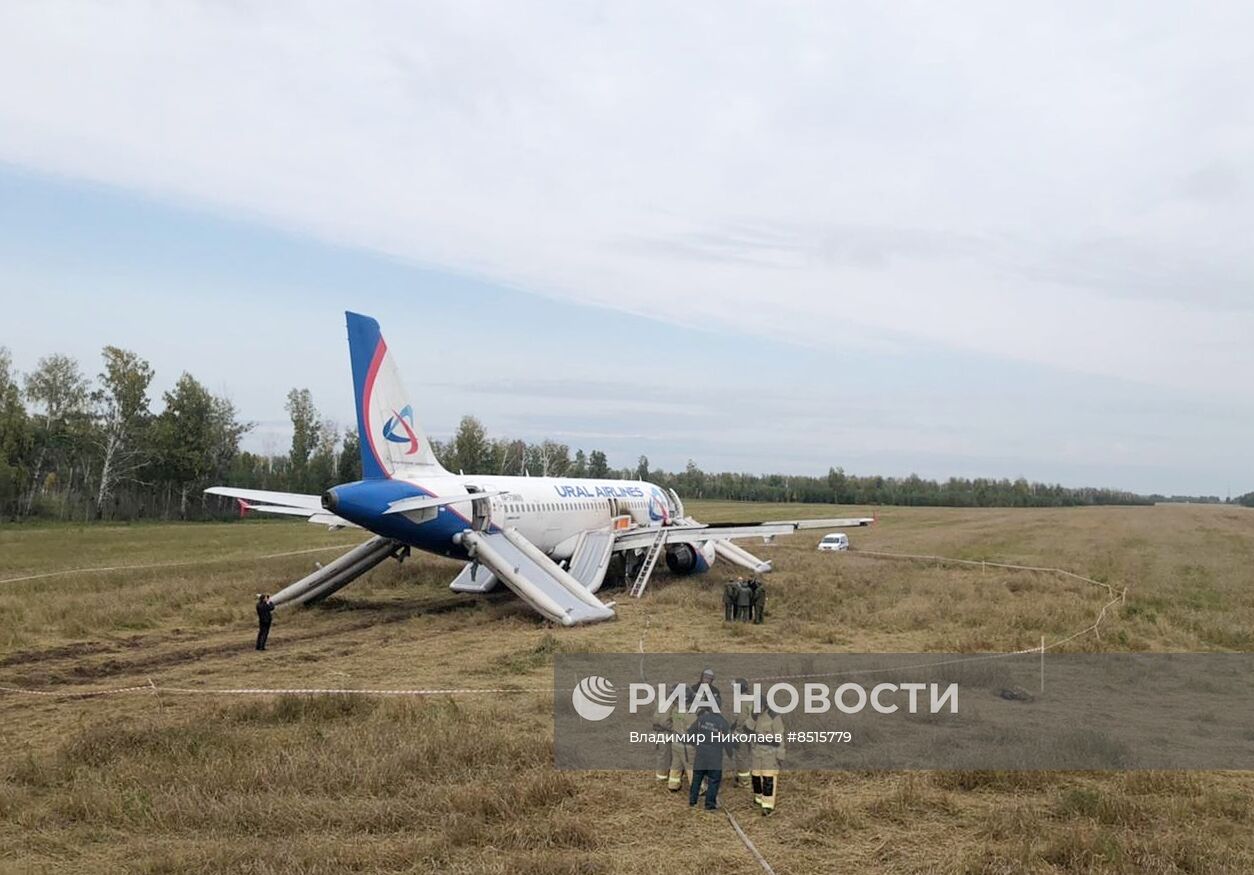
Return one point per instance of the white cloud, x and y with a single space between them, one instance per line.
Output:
1063 185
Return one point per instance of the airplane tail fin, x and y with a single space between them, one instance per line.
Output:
391 438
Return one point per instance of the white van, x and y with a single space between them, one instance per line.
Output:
834 541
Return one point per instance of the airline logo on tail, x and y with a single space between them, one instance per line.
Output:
403 420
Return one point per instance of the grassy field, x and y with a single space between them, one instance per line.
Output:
167 783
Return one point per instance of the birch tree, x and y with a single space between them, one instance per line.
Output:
122 404
59 389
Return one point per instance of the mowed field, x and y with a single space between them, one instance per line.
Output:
151 782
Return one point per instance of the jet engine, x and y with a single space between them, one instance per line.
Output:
690 558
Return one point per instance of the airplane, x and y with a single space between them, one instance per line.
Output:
548 539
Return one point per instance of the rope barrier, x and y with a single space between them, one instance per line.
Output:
748 843
69 571
1117 597
983 563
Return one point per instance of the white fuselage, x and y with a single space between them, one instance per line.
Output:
550 512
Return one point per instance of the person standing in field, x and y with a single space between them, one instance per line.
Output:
741 723
707 757
662 750
768 754
265 609
744 602
759 601
681 763
729 599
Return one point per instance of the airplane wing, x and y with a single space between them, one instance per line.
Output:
715 540
690 531
284 504
286 499
692 534
797 525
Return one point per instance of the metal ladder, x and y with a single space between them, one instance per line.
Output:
650 560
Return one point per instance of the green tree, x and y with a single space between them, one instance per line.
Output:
693 480
642 468
122 404
598 465
470 451
548 458
58 389
508 456
196 436
349 467
580 466
320 475
307 433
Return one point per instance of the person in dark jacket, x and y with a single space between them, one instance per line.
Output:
729 600
265 608
707 762
744 602
759 601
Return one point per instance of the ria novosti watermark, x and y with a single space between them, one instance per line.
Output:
784 697
916 711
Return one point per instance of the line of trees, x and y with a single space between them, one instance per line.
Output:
77 448
86 449
472 452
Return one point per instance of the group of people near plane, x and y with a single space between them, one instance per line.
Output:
744 600
755 762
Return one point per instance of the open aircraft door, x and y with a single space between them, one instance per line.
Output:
620 516
677 506
481 511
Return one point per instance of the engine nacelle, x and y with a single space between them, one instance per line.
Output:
690 558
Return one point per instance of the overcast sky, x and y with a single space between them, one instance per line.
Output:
957 238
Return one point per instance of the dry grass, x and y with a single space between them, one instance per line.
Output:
349 783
